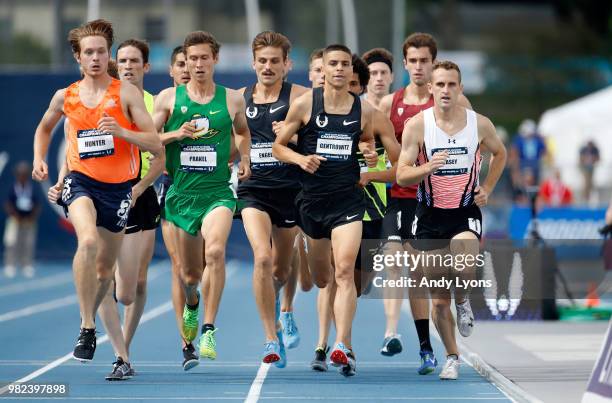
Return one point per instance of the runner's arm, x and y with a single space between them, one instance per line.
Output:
384 129
293 121
492 143
42 136
412 139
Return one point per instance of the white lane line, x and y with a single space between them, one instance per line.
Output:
257 384
59 302
37 284
38 308
289 398
508 388
152 314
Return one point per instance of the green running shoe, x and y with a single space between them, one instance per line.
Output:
190 322
208 345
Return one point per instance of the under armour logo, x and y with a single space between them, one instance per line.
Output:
452 141
321 123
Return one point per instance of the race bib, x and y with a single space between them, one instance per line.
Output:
92 144
261 156
457 163
198 158
335 146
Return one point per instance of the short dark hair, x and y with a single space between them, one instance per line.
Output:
446 65
175 52
201 37
361 68
138 44
421 40
381 55
316 54
271 39
337 47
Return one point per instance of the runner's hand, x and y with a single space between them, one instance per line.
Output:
244 169
310 163
438 160
371 157
364 179
137 191
482 196
55 192
277 126
187 131
40 172
108 124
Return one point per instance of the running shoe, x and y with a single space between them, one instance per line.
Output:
451 369
320 361
120 372
349 369
391 345
190 359
208 345
86 345
190 322
291 334
282 363
428 362
465 318
271 352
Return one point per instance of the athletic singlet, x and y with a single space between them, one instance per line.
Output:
334 137
145 164
376 192
100 156
267 171
400 114
200 164
452 186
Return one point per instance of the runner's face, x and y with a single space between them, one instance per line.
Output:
338 68
445 88
131 66
179 71
201 62
354 85
315 74
94 56
380 79
269 65
418 63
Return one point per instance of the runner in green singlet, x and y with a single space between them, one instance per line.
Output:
198 120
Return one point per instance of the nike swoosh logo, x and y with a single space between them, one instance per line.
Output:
345 123
214 112
272 110
289 221
351 217
130 227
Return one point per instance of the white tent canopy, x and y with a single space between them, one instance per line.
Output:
568 127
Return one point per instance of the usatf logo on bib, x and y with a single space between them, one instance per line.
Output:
202 125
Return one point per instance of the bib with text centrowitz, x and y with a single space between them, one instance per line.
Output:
334 146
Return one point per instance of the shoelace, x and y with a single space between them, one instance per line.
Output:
269 346
209 339
291 328
192 318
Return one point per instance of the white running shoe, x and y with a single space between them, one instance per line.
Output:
465 318
450 370
10 271
29 271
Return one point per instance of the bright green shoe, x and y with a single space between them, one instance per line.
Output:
190 323
208 345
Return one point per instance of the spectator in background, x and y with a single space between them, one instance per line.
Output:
553 192
527 152
589 157
22 208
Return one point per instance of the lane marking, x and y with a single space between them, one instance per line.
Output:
257 384
147 316
38 308
37 284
